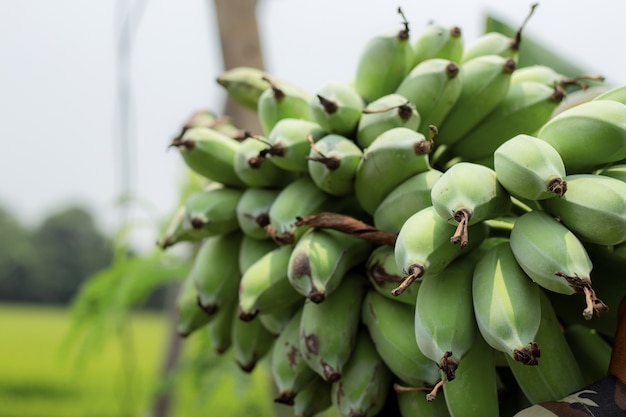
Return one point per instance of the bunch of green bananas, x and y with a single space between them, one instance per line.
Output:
408 242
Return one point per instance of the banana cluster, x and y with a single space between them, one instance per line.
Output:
408 242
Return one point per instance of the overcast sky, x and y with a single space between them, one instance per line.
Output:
58 87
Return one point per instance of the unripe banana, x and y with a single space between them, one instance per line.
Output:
530 168
337 108
423 246
253 211
615 94
444 322
220 327
387 112
413 403
364 385
250 342
255 170
394 156
409 197
474 390
244 85
384 275
592 351
213 211
589 135
485 82
282 101
251 250
215 271
594 208
550 77
554 258
275 321
210 154
328 330
433 86
313 399
290 372
388 323
289 143
438 41
300 198
179 230
332 164
466 194
557 373
526 108
617 171
189 315
264 286
506 305
383 63
320 260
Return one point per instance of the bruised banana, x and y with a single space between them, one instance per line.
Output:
215 271
384 113
264 286
244 85
255 170
388 323
383 274
507 306
554 258
332 164
289 144
320 260
530 168
337 108
281 101
253 211
438 41
466 194
250 342
444 321
364 384
423 246
588 136
594 208
433 87
384 61
213 211
290 372
394 156
328 330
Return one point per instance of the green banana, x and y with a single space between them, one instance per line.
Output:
615 93
264 286
466 194
526 108
438 41
530 168
328 330
288 144
383 274
594 208
290 372
423 246
211 154
250 342
213 211
554 258
485 83
407 198
253 211
433 86
179 230
592 351
388 323
320 260
617 171
251 250
299 198
275 321
332 164
588 136
557 373
189 315
550 77
244 85
313 399
337 108
215 271
474 390
254 169
364 384
507 306
445 327
281 101
384 113
413 403
220 327
384 61
394 156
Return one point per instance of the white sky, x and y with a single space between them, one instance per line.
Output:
58 86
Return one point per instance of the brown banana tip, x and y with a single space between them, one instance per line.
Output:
415 272
461 235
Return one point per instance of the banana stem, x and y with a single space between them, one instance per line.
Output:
433 393
348 225
415 272
583 285
401 388
331 163
462 216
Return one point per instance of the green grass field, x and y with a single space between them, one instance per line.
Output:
39 379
